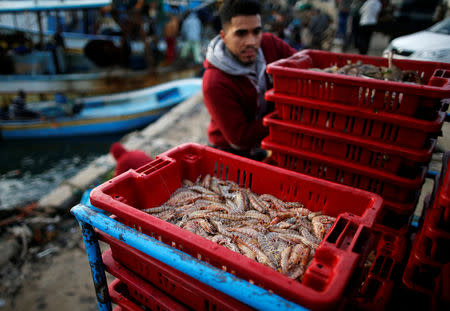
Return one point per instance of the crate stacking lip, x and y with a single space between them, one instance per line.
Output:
119 296
399 160
389 186
140 290
340 252
437 236
194 294
293 76
383 127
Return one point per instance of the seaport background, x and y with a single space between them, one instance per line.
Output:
48 269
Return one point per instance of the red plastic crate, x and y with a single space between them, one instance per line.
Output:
119 296
381 276
360 150
336 257
292 76
382 127
174 283
421 272
436 236
431 246
139 290
443 193
390 186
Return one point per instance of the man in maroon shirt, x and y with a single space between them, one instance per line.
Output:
235 78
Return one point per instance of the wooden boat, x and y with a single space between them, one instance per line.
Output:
36 72
93 83
99 115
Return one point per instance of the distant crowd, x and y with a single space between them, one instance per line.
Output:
179 36
176 36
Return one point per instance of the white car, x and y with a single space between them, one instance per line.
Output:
432 44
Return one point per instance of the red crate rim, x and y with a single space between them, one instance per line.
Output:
424 154
276 68
367 171
405 121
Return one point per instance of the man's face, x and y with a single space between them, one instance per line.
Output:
242 36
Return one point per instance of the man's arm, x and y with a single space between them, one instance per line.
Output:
274 48
223 102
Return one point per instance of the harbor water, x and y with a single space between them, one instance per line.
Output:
32 168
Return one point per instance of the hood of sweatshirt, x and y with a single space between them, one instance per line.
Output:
220 57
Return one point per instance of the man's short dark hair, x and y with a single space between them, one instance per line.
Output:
232 8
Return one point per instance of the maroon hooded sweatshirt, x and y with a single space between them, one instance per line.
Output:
232 101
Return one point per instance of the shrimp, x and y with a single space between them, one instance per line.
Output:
321 225
285 255
299 255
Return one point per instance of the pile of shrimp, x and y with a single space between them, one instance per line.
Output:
278 234
390 73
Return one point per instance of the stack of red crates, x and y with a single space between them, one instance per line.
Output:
370 134
143 281
130 292
427 270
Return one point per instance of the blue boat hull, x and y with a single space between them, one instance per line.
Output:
66 129
110 114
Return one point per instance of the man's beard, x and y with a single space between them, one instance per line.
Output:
245 63
249 63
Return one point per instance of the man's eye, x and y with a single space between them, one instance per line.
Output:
257 31
241 33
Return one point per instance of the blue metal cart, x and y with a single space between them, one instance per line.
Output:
90 218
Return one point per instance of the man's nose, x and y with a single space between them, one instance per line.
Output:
251 39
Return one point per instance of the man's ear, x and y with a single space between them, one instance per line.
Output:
222 34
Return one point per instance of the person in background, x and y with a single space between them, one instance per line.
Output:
18 109
277 23
129 15
57 47
343 7
170 35
368 20
442 11
235 79
355 17
319 29
4 111
127 159
191 31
